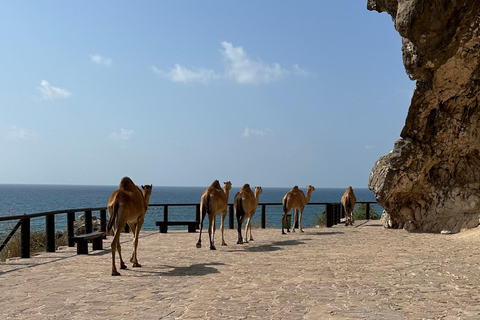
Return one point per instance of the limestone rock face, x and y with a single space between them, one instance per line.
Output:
431 179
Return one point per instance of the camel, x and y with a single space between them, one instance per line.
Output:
128 204
295 199
348 201
214 202
245 204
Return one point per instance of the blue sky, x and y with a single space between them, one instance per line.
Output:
180 93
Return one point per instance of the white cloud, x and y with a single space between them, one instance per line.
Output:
122 135
98 59
369 147
244 70
15 133
182 74
248 132
50 92
238 67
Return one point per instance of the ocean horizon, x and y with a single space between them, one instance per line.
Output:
19 199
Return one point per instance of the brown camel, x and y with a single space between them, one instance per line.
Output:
128 204
245 204
214 202
295 199
348 201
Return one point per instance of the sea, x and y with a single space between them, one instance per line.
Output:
19 199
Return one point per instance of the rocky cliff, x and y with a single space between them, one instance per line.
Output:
431 179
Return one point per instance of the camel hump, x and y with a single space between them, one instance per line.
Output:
127 184
216 184
245 187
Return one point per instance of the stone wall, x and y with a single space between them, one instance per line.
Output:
431 179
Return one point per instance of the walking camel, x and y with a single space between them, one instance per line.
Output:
213 202
245 204
128 204
348 202
295 199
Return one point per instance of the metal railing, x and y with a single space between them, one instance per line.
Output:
334 213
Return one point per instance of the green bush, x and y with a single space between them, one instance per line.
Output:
360 212
38 241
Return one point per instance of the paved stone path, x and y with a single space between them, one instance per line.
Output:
361 272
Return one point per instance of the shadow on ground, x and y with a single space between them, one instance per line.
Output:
201 269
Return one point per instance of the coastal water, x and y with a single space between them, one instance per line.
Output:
27 199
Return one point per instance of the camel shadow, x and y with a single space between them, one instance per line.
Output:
200 269
275 246
326 233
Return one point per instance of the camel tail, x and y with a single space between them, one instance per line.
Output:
284 205
240 211
113 216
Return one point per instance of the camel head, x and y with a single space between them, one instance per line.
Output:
147 189
227 185
310 189
258 191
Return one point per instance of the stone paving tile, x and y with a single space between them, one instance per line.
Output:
361 272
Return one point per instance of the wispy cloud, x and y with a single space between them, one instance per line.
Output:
248 132
369 147
239 67
182 74
98 59
122 135
15 133
50 92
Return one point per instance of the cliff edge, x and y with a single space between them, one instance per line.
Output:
431 180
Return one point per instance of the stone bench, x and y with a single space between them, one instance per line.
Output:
163 226
82 241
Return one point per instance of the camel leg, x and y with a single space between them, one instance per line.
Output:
250 228
211 231
115 246
133 227
133 259
295 213
300 219
284 221
224 214
202 217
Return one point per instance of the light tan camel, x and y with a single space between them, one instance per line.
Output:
214 202
245 204
295 199
128 204
348 201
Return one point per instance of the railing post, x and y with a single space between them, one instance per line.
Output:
50 231
70 230
197 215
88 221
264 216
25 238
329 213
367 213
342 211
231 214
165 213
103 220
